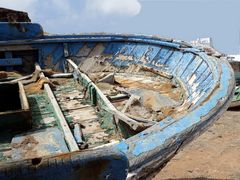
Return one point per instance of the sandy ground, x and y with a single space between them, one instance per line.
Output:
213 155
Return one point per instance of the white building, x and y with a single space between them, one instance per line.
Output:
234 58
207 44
204 41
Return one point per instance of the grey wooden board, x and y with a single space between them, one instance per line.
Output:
37 144
71 105
84 114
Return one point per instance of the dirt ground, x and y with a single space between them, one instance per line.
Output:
213 155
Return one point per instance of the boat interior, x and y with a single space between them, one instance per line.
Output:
63 97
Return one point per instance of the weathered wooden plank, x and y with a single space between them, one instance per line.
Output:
11 62
63 123
83 114
38 144
129 102
66 130
61 75
23 97
22 78
70 107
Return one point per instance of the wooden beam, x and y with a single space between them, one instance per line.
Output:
63 123
130 101
61 75
22 78
139 119
23 97
70 140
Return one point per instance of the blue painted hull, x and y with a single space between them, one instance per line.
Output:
208 83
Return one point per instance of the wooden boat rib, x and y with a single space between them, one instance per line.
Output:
135 98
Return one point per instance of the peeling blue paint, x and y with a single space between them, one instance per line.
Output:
16 31
157 139
10 61
122 146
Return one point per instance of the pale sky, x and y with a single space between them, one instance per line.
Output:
181 19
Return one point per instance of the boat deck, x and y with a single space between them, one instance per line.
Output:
99 105
141 95
76 109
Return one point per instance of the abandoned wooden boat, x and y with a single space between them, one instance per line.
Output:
236 98
234 62
101 106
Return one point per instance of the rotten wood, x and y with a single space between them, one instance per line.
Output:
22 78
18 79
34 77
155 71
23 97
118 97
138 81
130 101
139 119
108 79
9 15
28 78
